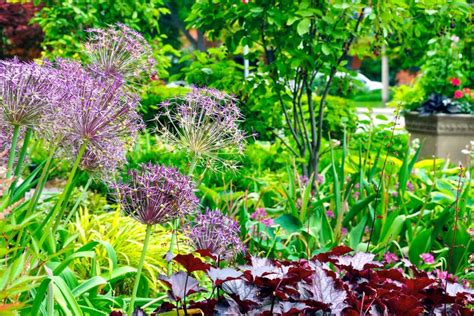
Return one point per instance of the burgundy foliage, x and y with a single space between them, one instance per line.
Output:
18 36
335 283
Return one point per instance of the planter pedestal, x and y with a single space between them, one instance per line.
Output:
442 135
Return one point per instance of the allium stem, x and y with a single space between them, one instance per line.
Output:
11 156
58 209
38 190
21 158
69 186
24 149
139 269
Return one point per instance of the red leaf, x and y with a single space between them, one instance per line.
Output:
191 263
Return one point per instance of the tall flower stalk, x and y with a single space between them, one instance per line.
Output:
153 195
204 124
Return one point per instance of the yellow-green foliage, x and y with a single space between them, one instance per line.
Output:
126 236
407 97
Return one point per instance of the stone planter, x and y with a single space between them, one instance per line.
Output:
442 135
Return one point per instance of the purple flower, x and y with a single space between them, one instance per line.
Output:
395 194
205 124
304 180
356 195
119 52
390 257
99 114
427 258
410 186
330 214
262 216
320 179
156 194
344 231
26 90
217 233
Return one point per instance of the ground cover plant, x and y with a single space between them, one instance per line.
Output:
122 196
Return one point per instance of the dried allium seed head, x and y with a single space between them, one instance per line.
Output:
156 194
205 124
25 92
217 233
119 52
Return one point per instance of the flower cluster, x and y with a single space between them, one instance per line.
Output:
260 215
99 114
156 194
25 92
216 233
119 52
205 124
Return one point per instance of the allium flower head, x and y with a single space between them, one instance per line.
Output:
119 52
205 124
156 194
217 233
96 113
25 90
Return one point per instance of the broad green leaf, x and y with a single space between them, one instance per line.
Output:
421 244
303 27
289 222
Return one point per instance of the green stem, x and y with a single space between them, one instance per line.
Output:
11 156
58 210
24 149
41 182
79 201
139 269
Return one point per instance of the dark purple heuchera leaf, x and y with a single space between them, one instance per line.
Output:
116 313
336 251
219 276
181 285
323 289
191 263
359 261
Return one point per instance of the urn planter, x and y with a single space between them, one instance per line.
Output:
442 135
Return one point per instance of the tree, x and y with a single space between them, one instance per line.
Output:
295 42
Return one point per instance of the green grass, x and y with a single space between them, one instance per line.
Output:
370 99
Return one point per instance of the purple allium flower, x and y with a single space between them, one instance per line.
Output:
330 214
217 233
204 123
427 258
395 194
390 257
25 90
119 52
96 113
410 186
320 179
262 216
156 194
344 231
304 180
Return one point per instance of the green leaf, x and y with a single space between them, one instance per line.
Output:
325 49
394 229
356 233
357 208
303 27
419 245
290 223
88 285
